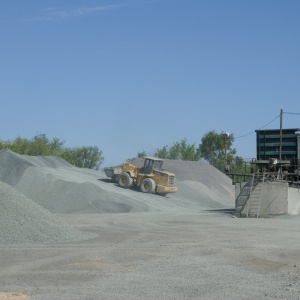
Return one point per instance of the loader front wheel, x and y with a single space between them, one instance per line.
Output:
148 186
124 180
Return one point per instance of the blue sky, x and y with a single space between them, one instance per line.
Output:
134 75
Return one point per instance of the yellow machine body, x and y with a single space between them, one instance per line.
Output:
151 178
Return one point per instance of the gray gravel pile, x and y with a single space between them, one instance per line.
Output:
63 195
33 188
199 182
192 170
61 188
13 165
23 221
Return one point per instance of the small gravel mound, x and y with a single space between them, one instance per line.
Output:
24 221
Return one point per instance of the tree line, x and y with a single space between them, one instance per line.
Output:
40 144
215 148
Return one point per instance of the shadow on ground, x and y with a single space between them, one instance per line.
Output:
230 211
106 180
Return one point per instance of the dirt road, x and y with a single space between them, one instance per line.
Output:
205 255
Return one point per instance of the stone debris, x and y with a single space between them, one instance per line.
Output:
24 221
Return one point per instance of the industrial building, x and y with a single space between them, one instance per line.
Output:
281 145
274 188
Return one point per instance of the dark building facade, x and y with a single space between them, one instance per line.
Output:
268 145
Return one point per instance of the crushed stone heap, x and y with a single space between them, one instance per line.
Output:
23 221
199 182
62 188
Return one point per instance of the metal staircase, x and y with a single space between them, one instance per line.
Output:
249 200
242 199
255 196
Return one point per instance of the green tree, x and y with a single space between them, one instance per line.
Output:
22 146
139 155
53 147
188 151
162 153
179 150
213 147
40 144
84 157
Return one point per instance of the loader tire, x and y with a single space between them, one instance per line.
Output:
124 180
148 186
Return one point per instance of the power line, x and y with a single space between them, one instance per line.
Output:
258 129
290 113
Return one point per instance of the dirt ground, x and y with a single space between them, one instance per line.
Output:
96 240
204 255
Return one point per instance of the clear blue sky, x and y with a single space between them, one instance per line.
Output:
136 75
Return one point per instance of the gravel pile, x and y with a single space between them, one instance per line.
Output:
62 195
61 188
13 165
192 170
199 182
58 186
33 188
23 221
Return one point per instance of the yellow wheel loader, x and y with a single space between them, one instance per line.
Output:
151 178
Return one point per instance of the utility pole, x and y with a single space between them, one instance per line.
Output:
280 143
225 142
226 136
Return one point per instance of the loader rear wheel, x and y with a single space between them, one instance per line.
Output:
148 186
124 180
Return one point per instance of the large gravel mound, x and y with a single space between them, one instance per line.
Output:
62 188
23 221
74 192
32 188
13 165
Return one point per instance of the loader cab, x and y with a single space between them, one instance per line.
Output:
151 164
